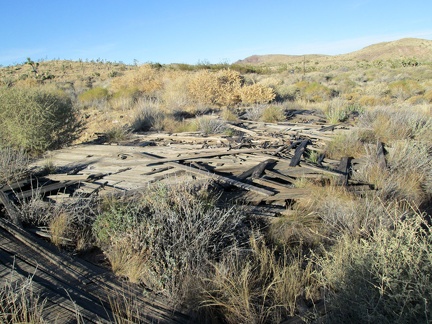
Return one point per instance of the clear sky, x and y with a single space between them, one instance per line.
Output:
192 31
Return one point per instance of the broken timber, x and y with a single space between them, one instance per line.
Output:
217 177
209 155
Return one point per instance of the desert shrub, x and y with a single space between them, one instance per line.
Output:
382 277
93 94
273 114
312 91
148 115
404 89
215 88
13 165
210 125
408 173
397 124
254 112
147 79
166 238
256 94
259 285
349 144
36 120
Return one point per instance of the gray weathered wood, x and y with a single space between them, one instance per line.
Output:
219 178
208 155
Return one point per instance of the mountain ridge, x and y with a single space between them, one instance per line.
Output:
419 48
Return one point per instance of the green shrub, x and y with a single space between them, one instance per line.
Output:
273 114
312 91
36 120
93 94
167 237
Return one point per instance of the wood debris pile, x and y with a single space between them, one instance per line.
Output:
262 162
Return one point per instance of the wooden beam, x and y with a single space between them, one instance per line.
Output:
298 153
10 209
218 178
257 170
208 155
241 129
344 167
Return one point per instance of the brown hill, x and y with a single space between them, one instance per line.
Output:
405 47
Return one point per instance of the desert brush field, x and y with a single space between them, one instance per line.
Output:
277 189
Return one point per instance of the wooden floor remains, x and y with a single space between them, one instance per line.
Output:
264 159
260 166
75 290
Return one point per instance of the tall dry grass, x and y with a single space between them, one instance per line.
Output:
382 277
19 301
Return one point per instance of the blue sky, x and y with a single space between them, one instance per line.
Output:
190 31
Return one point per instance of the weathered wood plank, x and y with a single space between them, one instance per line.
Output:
382 163
208 155
10 209
241 129
219 178
298 153
256 170
42 190
344 168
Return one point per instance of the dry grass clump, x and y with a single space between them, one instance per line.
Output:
349 144
148 115
13 165
19 302
93 94
117 134
210 125
382 277
69 223
404 89
266 113
312 91
166 238
397 124
407 176
273 114
302 226
259 285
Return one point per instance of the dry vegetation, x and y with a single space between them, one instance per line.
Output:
361 258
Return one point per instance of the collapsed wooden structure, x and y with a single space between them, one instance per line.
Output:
265 163
260 163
